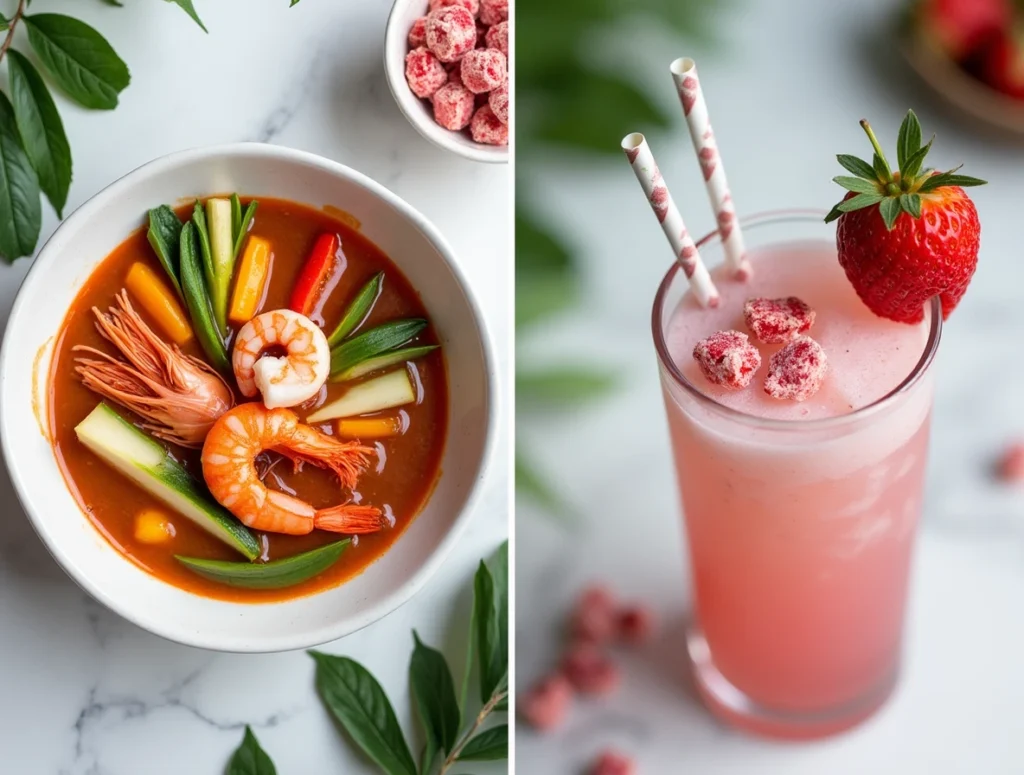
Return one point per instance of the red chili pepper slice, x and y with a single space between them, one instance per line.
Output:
315 274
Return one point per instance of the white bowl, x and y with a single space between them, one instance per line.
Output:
70 256
419 112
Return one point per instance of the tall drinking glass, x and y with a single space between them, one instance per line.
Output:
800 532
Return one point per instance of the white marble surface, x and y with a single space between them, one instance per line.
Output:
785 96
86 693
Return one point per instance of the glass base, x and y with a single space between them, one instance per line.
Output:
731 705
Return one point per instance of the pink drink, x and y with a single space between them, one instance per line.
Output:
800 516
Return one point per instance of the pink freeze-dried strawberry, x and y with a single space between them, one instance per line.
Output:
1011 465
484 69
797 370
613 763
498 100
546 703
424 72
497 37
593 616
486 128
589 670
473 6
493 11
774 321
418 33
453 106
451 32
727 358
636 624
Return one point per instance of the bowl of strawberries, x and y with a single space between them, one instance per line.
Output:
971 52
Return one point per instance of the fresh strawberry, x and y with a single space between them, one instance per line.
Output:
958 27
904 237
1001 63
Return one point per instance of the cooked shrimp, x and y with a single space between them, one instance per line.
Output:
287 381
177 396
229 467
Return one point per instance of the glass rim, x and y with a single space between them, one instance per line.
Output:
875 407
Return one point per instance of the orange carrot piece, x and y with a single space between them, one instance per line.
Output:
252 277
369 427
159 301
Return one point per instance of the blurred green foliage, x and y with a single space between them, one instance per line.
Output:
567 98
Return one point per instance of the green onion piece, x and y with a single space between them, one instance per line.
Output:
203 235
164 234
236 218
370 365
243 227
358 309
374 342
275 574
198 302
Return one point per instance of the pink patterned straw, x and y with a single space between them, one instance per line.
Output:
684 73
647 172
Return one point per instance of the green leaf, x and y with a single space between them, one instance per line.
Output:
912 166
488 746
882 171
858 185
42 131
79 59
293 2
467 669
198 301
536 248
857 166
590 110
911 204
4 22
859 202
376 341
433 691
357 309
276 574
359 704
834 214
187 7
490 600
908 142
20 212
542 295
164 235
534 486
116 3
949 179
250 759
562 385
890 210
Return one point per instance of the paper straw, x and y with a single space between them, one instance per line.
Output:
647 172
684 73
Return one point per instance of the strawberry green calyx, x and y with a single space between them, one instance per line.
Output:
894 192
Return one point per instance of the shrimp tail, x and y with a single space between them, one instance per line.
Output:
348 460
351 519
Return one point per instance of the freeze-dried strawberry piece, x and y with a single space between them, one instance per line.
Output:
493 11
774 321
636 624
589 670
546 703
424 72
594 615
453 106
1011 465
473 6
486 128
613 763
484 69
451 32
418 33
498 100
797 370
727 358
497 37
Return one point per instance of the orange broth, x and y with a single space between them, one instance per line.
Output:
399 481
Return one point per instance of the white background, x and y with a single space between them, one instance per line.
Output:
785 91
82 692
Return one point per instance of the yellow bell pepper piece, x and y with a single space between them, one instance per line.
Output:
252 278
159 301
369 427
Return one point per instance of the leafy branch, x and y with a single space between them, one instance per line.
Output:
361 707
35 156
